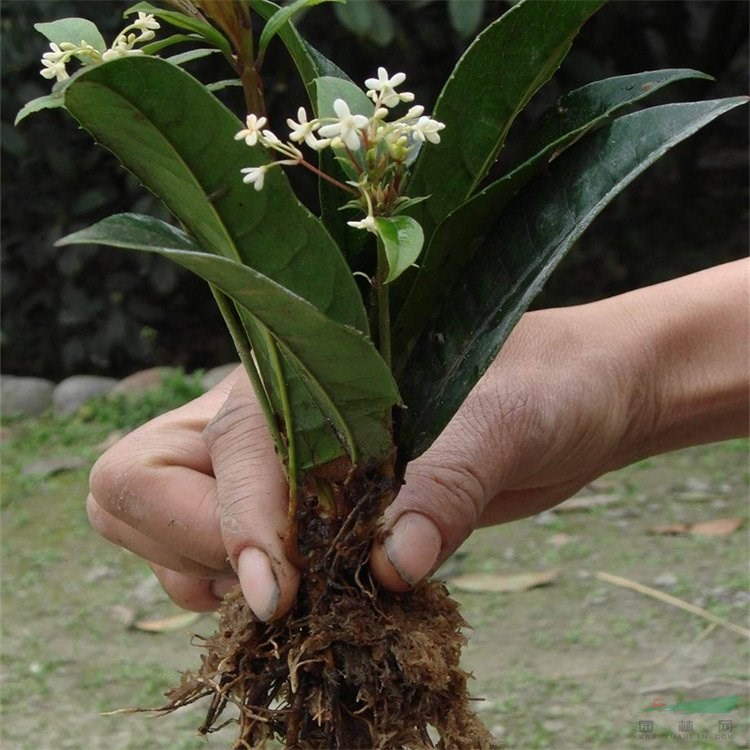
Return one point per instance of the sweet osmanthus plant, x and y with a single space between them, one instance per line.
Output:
362 330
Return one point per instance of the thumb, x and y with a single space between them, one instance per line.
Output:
440 504
251 501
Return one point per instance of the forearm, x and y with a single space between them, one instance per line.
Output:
681 351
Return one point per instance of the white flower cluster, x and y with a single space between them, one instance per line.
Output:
377 148
55 62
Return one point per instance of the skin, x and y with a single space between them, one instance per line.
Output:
576 392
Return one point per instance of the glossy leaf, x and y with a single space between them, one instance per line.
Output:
460 234
535 231
493 81
402 241
349 380
178 139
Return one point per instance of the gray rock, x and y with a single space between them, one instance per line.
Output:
215 375
666 581
22 396
142 381
75 391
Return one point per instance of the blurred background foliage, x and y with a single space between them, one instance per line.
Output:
98 310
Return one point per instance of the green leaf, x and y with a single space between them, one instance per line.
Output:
533 234
349 380
466 15
462 231
281 18
368 20
185 22
178 139
50 101
492 82
402 241
73 30
190 55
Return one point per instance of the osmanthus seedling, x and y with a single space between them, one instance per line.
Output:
355 376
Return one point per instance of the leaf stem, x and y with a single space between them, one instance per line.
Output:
384 306
239 338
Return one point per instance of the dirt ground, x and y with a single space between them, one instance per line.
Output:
573 664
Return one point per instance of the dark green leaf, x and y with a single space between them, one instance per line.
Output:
340 367
402 241
462 232
492 82
178 139
535 231
73 30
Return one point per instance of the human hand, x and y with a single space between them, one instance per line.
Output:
574 393
199 493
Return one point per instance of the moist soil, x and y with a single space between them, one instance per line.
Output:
573 664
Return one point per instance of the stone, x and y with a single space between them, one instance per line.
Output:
215 375
142 381
75 391
24 396
666 580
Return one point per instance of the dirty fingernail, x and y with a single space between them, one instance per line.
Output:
413 546
258 582
220 587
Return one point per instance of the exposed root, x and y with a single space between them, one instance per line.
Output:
352 667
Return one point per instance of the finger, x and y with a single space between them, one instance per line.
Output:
447 488
122 534
198 595
252 501
159 481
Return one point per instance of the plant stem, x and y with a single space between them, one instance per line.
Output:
239 339
384 306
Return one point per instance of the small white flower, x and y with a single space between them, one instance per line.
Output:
255 175
383 89
304 129
427 129
414 112
146 22
54 69
250 132
367 223
348 126
54 63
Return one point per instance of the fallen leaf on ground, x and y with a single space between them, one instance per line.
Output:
669 528
716 527
585 502
169 624
497 583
